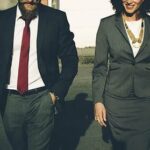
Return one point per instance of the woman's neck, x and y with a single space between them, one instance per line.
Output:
134 17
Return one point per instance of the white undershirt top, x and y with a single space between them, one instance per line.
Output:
34 77
135 27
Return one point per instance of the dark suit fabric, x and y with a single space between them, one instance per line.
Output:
54 40
29 120
4 142
122 82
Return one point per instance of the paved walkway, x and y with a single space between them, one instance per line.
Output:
76 129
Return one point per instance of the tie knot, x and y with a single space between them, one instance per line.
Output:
27 22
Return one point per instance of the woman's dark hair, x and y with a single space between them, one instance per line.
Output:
118 6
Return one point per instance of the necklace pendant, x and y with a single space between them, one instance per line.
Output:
136 45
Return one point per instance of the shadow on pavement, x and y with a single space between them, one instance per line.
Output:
73 122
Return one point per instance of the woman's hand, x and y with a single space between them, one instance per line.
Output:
100 114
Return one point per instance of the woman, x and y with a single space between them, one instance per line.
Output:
121 74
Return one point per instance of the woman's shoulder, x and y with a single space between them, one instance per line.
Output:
109 19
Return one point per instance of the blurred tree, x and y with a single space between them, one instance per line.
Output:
4 4
55 4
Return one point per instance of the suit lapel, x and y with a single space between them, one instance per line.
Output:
121 28
9 25
146 35
41 28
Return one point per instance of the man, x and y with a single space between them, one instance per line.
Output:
33 37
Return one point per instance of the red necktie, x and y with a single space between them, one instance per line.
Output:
22 84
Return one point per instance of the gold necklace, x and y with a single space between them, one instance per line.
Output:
136 42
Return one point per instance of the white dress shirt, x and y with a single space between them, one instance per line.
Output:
34 77
135 27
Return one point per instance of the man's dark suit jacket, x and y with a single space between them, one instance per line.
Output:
54 40
122 72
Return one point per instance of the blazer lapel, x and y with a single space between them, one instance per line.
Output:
121 28
9 25
146 35
41 28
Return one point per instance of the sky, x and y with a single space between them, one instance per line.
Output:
84 18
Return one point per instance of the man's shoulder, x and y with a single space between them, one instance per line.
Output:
50 10
8 11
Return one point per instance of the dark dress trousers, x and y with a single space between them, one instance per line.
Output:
4 142
122 82
33 115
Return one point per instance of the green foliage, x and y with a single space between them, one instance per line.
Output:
86 55
86 51
86 59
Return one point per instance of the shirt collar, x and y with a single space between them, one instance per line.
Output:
18 14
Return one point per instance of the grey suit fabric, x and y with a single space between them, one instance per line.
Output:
29 121
116 70
122 82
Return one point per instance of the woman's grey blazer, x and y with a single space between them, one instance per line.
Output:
116 70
